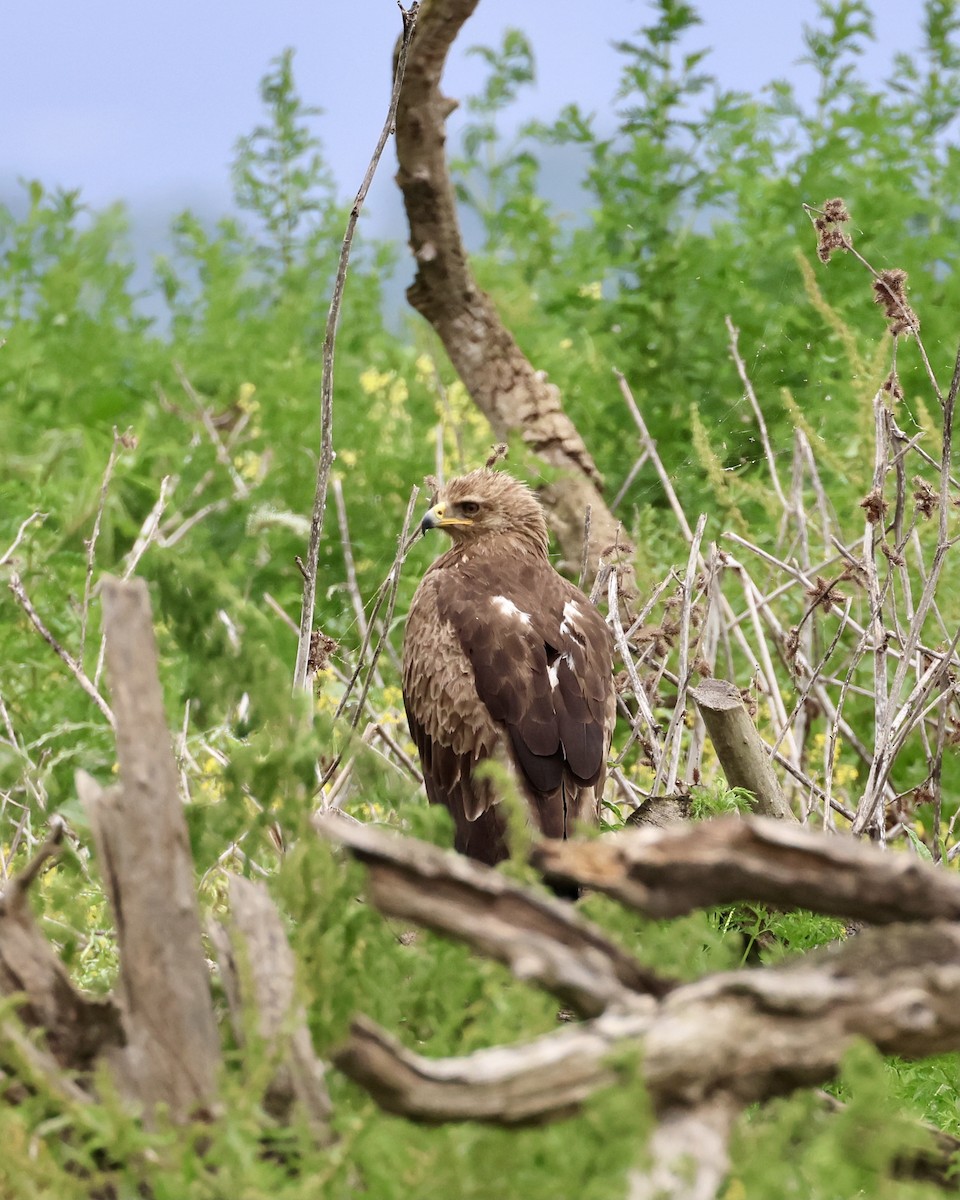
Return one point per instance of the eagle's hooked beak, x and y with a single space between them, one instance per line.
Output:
436 518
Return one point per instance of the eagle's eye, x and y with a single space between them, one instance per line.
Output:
469 508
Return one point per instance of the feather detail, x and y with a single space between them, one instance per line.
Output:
504 657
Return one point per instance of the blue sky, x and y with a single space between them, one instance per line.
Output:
144 103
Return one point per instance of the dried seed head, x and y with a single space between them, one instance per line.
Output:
890 293
836 210
499 451
896 559
891 385
874 505
925 498
829 235
824 594
321 647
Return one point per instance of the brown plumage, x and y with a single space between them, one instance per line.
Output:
504 659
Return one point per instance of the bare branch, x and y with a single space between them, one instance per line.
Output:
240 488
119 442
734 343
507 1085
667 873
16 586
541 939
301 676
8 554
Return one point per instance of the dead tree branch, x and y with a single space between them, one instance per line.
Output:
77 1027
669 872
751 1035
302 673
707 1048
511 394
743 755
75 667
259 973
172 1053
541 939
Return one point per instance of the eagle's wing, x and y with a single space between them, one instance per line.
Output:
542 659
452 730
516 649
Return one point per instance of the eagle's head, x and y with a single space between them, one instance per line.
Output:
488 504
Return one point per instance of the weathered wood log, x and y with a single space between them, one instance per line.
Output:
541 939
750 1035
743 754
708 1048
77 1027
172 1051
504 1085
258 971
669 872
513 396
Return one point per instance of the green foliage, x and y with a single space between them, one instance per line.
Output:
695 201
718 800
280 165
798 1147
696 212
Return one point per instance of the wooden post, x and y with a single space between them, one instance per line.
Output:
743 755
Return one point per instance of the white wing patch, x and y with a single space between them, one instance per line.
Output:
506 606
570 613
553 671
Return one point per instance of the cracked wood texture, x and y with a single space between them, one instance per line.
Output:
515 398
172 1051
745 1035
706 1049
670 872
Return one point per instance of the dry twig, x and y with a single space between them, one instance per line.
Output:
301 677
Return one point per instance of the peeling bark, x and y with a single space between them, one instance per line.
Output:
513 396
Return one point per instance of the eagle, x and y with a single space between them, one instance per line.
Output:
504 659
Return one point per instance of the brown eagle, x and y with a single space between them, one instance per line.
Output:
504 659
